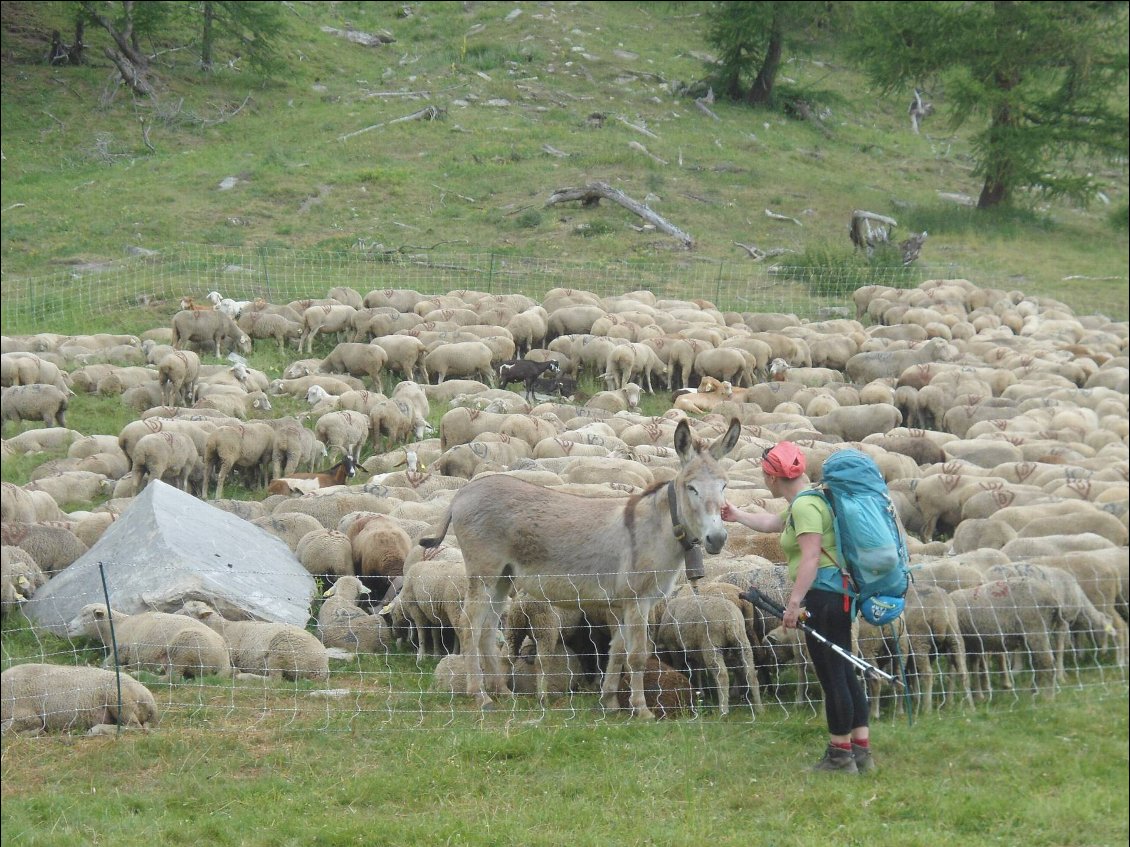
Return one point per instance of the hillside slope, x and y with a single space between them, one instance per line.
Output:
454 136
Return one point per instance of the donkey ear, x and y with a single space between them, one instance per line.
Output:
684 442
726 443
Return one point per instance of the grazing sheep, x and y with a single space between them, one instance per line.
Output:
1008 615
177 374
263 325
260 648
461 359
932 625
342 623
707 633
380 546
172 645
326 554
404 355
164 455
295 447
1080 613
34 402
344 432
397 422
209 328
247 448
357 360
431 597
291 527
324 319
38 698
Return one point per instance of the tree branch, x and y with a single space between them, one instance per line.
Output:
595 191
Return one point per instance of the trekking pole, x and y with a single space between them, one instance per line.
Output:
766 605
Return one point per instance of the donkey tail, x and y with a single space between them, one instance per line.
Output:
438 531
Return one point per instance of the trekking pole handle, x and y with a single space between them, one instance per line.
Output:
766 605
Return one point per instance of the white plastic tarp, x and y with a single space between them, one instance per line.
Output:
169 547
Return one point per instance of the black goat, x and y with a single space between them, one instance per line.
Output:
561 385
526 372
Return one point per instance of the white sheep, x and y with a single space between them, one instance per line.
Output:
326 553
260 648
172 645
707 631
164 454
37 698
345 432
344 624
34 402
432 599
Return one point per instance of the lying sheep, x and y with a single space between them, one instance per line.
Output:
52 546
34 403
276 650
172 645
342 623
37 698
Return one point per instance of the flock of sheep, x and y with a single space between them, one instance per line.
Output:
999 420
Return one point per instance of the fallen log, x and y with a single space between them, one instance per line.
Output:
592 193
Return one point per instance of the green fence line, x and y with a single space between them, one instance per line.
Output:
159 280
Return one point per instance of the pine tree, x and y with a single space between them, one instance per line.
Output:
1046 78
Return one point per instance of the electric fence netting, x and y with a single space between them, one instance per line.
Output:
1023 630
36 304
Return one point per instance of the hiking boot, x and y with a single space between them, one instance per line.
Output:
863 761
837 759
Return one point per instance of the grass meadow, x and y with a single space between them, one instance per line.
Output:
385 761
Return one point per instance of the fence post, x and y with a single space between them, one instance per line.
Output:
490 276
266 274
718 287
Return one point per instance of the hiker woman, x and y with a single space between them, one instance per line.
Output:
807 534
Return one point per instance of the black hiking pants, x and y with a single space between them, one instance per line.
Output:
845 701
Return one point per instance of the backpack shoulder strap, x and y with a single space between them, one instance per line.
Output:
822 492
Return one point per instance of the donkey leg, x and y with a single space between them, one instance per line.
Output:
476 609
610 688
547 638
636 651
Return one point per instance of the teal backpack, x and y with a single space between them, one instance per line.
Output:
870 545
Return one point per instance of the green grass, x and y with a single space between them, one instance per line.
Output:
1019 772
80 184
250 765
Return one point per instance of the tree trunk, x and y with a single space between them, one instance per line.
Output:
207 38
131 63
998 158
75 53
761 92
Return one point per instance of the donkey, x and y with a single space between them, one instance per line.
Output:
613 558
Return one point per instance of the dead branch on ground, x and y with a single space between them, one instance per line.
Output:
592 193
